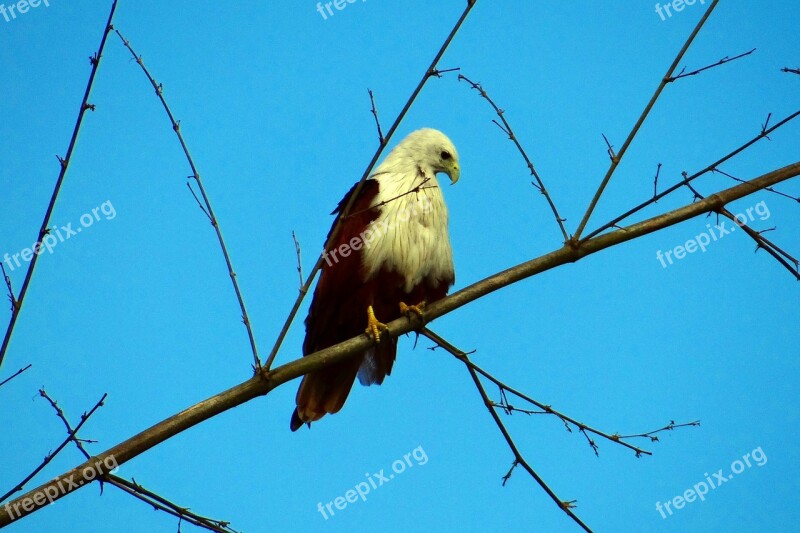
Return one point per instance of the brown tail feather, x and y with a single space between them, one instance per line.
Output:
324 392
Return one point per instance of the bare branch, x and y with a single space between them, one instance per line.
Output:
15 374
381 139
162 504
655 181
616 160
713 167
199 203
299 259
652 434
50 456
438 72
519 460
72 433
11 298
414 190
761 242
585 429
506 127
95 62
133 488
206 203
770 189
610 150
784 258
722 61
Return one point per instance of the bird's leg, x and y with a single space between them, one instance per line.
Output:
415 309
374 326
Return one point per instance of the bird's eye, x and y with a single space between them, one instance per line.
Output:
445 155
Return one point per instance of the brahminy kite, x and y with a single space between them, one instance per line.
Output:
390 257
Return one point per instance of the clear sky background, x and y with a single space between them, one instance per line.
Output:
273 102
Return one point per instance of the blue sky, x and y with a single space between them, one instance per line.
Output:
273 103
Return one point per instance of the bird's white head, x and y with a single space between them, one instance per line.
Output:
432 150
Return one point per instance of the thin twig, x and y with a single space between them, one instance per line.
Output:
722 61
651 434
199 203
791 70
206 203
381 139
616 160
506 127
713 167
655 181
85 106
610 150
162 504
544 407
564 505
784 258
765 126
299 259
415 189
15 374
50 456
11 298
73 433
429 72
133 488
770 189
438 72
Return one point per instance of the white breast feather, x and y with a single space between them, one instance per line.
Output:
410 235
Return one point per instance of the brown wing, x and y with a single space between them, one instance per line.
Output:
337 312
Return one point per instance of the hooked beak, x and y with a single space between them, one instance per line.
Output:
454 174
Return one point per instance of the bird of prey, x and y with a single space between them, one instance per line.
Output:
390 257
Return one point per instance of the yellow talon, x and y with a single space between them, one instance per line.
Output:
374 326
416 309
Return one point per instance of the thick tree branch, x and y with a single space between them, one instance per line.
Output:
266 381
